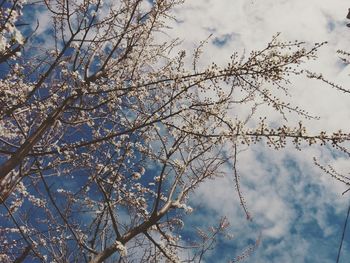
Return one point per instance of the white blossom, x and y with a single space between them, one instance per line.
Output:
121 249
136 176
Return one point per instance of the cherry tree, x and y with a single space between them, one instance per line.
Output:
104 134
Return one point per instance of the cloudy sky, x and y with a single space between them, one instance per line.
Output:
299 210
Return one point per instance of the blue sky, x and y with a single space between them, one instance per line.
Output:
298 210
294 211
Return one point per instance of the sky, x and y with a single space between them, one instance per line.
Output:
299 210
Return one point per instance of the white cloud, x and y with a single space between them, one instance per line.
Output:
284 190
251 25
